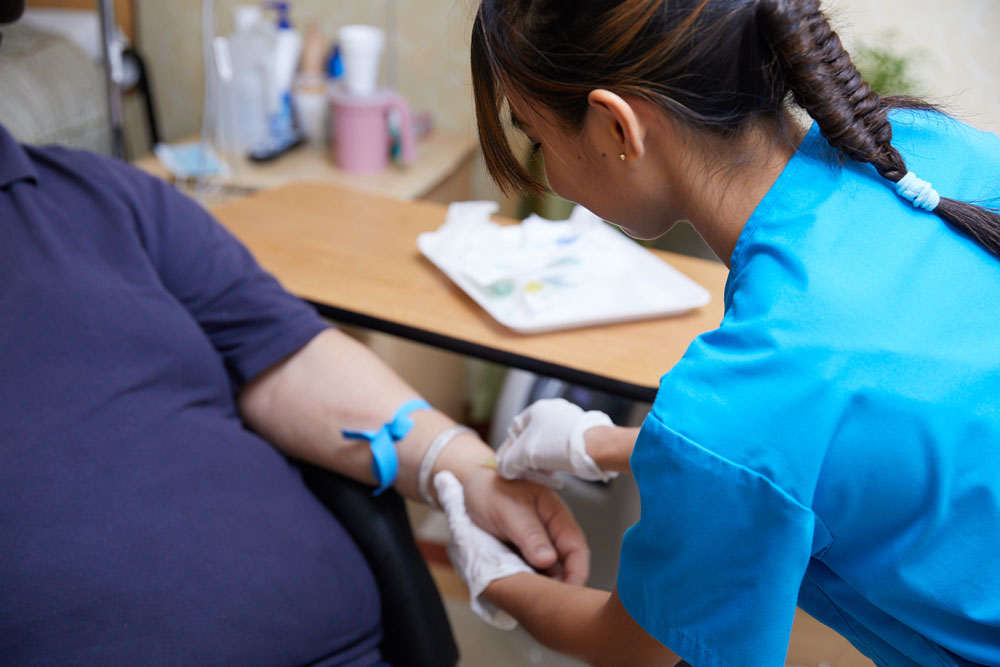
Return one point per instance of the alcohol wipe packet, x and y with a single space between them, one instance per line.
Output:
191 160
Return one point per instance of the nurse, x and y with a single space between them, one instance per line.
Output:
835 443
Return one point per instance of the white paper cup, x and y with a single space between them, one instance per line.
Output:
360 53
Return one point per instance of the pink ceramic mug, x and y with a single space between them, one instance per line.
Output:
361 136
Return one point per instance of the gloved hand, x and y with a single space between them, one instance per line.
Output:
547 437
478 557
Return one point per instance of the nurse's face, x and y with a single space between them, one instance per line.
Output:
584 167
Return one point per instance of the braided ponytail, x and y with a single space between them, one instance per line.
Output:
818 72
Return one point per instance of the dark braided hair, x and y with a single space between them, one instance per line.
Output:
719 66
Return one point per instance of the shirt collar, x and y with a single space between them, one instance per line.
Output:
15 165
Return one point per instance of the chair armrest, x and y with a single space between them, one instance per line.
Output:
415 626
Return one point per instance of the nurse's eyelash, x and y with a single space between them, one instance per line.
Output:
536 147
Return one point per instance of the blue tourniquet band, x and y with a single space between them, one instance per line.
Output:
385 463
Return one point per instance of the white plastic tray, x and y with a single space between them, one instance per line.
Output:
550 276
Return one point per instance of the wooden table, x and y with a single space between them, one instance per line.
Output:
354 256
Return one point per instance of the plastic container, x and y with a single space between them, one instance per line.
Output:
246 104
362 139
311 109
284 61
360 53
309 96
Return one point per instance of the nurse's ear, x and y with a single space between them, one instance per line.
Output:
615 126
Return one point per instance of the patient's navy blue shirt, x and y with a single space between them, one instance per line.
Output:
140 521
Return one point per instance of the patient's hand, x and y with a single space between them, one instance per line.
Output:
529 516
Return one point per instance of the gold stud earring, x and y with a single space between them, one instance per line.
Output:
621 156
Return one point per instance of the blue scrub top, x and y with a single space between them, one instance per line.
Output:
835 443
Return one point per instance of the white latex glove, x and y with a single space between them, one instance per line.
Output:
478 557
546 438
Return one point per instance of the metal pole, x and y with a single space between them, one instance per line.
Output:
392 39
112 49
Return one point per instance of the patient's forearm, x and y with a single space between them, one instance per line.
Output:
586 623
301 404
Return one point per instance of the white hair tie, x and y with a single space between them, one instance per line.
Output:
920 192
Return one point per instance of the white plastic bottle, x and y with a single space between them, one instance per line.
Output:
249 103
284 62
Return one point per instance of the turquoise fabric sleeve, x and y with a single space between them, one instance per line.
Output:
713 567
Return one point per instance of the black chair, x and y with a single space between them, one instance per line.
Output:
416 631
144 88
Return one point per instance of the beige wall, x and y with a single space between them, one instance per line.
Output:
954 43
